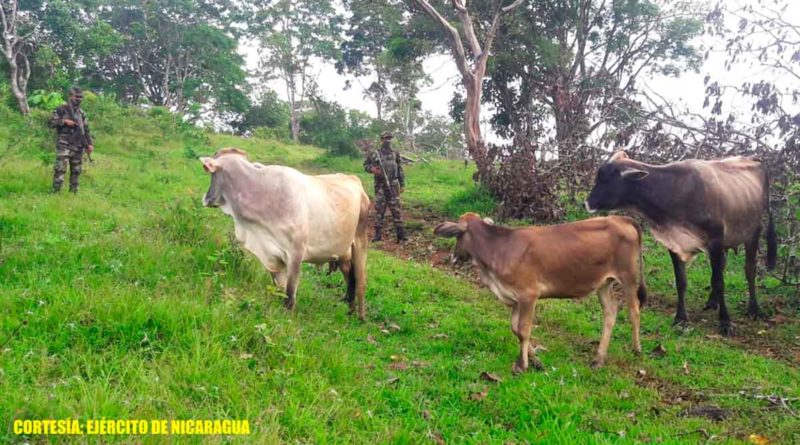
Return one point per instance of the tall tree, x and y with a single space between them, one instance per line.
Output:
295 32
579 61
471 60
174 53
382 45
18 37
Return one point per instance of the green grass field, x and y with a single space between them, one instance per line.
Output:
139 306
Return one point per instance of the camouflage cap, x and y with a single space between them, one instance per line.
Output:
386 135
75 91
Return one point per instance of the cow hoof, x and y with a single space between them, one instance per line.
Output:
288 303
535 362
754 312
637 352
516 369
680 321
597 363
711 306
726 330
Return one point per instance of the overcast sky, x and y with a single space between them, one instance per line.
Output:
688 89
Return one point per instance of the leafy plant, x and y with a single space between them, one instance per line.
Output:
47 100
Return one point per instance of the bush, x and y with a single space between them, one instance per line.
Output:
278 134
329 126
45 100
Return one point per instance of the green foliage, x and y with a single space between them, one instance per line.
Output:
615 42
329 126
268 113
292 33
139 305
185 45
278 134
45 100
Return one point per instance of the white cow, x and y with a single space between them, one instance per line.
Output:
285 217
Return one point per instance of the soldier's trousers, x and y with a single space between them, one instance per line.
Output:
67 154
386 197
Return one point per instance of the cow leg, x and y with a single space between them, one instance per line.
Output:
718 254
679 267
712 304
521 324
358 278
610 307
349 279
751 254
358 263
635 316
293 279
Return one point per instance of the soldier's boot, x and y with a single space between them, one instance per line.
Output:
56 187
377 236
401 235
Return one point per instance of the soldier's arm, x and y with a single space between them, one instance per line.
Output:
57 118
89 137
401 176
368 163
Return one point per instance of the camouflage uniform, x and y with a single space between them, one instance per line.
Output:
70 144
387 194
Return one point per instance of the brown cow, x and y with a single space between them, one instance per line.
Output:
562 261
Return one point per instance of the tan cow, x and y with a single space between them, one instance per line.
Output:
562 261
285 218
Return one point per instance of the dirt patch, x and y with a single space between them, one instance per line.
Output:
709 412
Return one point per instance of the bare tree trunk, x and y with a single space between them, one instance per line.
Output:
293 121
473 70
379 96
472 127
13 45
19 82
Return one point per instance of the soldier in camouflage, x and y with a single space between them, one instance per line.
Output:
385 166
74 138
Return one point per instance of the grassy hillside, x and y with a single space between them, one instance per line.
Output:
139 305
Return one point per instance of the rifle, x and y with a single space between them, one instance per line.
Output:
385 178
79 121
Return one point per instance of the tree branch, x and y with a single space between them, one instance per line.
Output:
457 45
469 31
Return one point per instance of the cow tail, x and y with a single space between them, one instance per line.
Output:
641 292
772 237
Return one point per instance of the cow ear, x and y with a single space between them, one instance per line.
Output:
488 220
449 229
633 174
210 164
